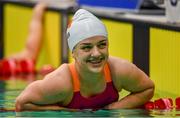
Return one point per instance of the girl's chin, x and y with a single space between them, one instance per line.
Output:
95 70
96 67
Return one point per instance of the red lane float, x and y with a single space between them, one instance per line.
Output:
177 103
11 67
149 105
163 103
8 67
27 66
1 67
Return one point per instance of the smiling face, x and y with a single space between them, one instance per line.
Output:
91 54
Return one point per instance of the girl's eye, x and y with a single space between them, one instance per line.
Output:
86 48
102 45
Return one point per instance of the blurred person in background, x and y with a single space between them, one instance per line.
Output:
34 38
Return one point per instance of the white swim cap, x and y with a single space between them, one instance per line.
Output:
84 25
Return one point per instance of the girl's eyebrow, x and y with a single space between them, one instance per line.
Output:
85 44
104 40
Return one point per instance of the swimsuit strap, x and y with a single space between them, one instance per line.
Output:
107 73
75 76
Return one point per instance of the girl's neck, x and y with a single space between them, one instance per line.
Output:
87 77
91 83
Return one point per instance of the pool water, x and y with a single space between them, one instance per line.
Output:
11 87
84 113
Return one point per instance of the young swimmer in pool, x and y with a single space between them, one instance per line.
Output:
93 80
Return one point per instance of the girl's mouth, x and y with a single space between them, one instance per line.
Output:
95 61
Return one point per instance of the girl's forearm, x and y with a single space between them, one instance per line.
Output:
133 100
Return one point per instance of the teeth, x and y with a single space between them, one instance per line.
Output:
96 61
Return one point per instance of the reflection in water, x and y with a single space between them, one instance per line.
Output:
166 113
2 89
87 113
12 86
99 113
17 82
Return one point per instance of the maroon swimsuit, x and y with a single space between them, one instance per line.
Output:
109 95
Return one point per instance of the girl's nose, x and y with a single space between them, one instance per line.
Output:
95 52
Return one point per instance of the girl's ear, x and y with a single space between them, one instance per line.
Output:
73 54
